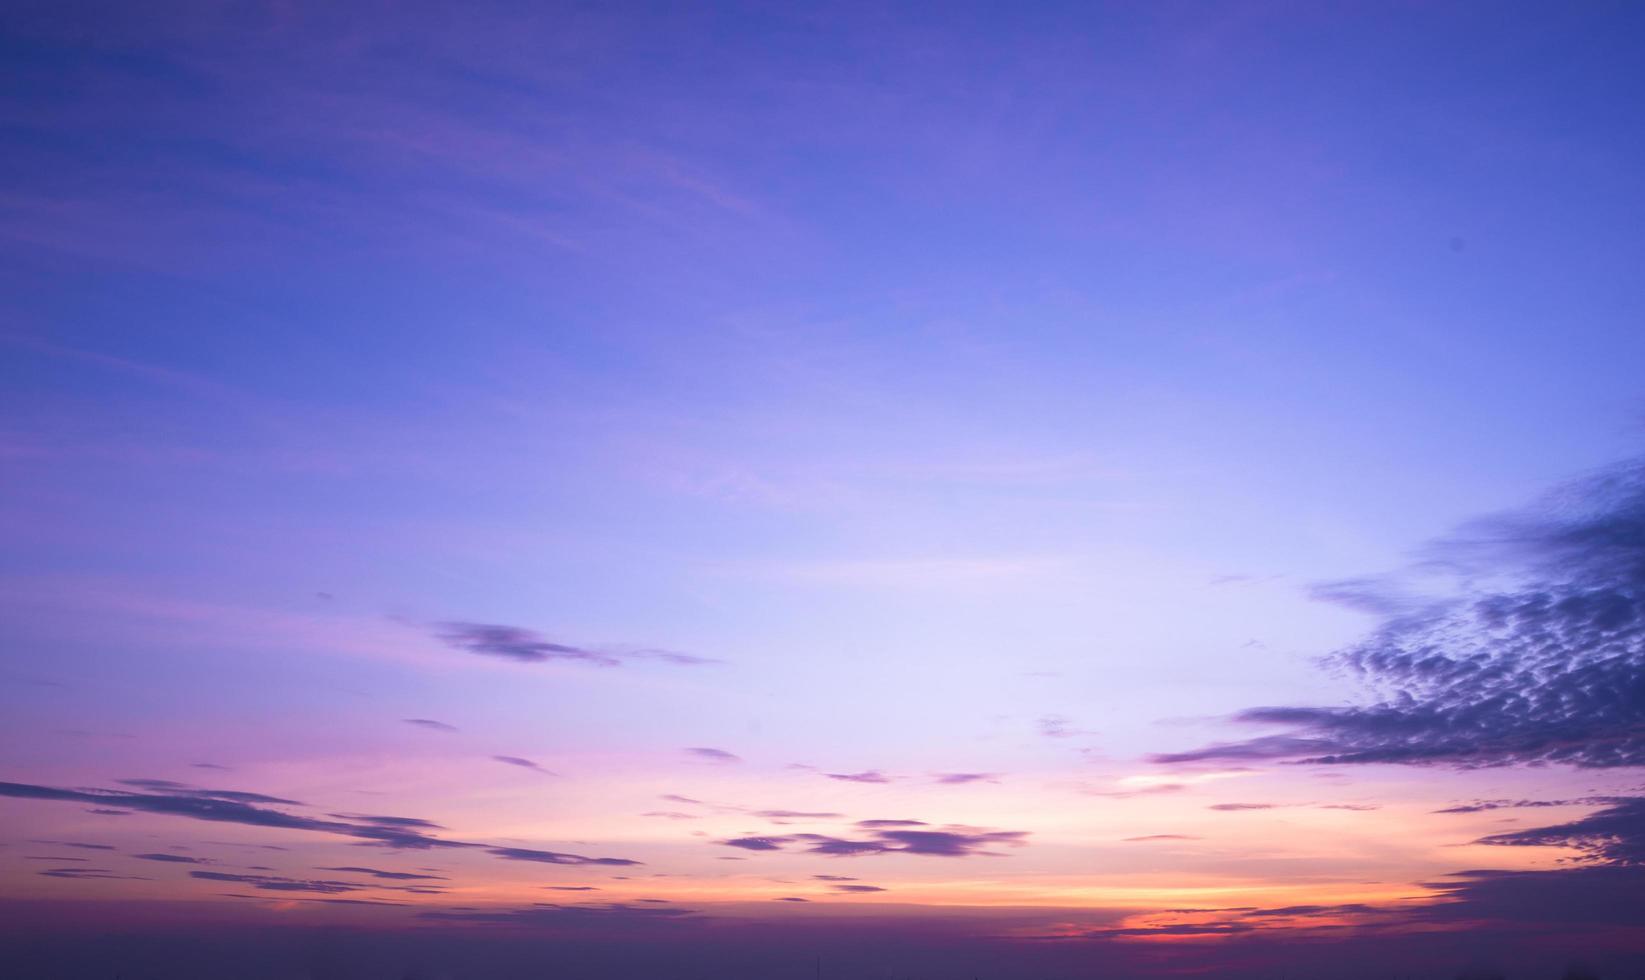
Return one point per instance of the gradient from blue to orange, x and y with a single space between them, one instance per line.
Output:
474 414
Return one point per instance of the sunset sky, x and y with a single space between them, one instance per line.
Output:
1042 490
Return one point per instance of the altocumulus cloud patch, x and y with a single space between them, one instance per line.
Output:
1542 663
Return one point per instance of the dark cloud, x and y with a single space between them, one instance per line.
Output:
833 878
183 789
171 858
1481 806
1536 655
577 917
1599 890
104 812
1358 807
527 646
791 898
857 888
868 776
100 874
1613 836
232 811
389 821
275 883
951 842
390 875
1312 911
210 765
891 823
1175 929
714 755
319 901
960 778
514 760
70 843
514 643
1286 920
798 814
1568 898
555 857
229 811
571 888
758 843
430 724
1230 807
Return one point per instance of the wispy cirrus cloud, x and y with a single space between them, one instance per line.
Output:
1059 726
430 724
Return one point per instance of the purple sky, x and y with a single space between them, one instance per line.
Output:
1046 490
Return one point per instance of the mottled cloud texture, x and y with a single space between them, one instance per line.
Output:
1537 657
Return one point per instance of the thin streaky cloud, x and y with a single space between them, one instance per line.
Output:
713 754
517 761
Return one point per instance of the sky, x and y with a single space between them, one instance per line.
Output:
850 490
